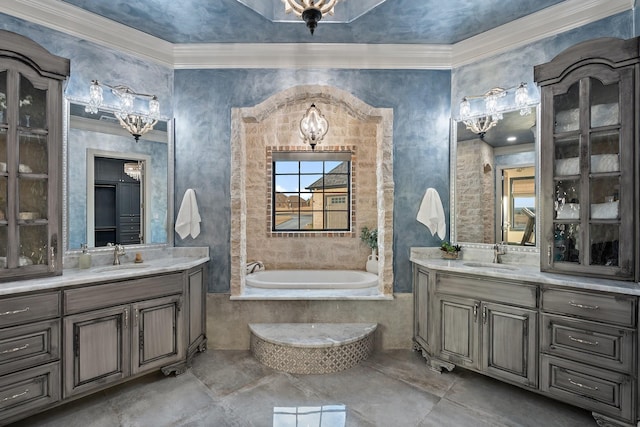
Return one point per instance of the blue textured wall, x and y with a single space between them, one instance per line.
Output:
511 68
203 98
203 102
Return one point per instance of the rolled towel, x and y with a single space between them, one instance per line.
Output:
255 266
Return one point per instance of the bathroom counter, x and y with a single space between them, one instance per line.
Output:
528 273
167 260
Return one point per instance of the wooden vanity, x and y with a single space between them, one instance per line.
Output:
570 338
68 336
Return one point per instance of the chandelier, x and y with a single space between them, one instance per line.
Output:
136 124
134 170
310 11
313 126
480 123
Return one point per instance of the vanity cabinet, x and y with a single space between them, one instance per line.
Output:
31 82
71 341
572 344
588 140
105 343
587 350
488 326
29 353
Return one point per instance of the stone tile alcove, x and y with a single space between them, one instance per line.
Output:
364 131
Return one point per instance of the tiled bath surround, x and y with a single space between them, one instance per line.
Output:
354 127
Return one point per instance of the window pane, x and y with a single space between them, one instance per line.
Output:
565 245
567 203
604 244
604 104
283 166
565 106
3 97
314 166
311 182
32 105
286 184
33 245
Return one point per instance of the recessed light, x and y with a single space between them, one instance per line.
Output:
511 138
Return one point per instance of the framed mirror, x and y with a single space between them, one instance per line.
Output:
116 190
494 182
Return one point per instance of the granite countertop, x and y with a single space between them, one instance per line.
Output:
167 260
522 272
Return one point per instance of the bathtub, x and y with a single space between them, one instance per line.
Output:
311 284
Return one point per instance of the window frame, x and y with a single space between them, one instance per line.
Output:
305 156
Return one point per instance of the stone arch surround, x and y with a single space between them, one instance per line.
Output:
278 116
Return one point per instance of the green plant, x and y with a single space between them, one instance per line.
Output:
448 247
370 237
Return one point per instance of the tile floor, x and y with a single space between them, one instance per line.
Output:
230 388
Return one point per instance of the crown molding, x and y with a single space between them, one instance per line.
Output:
77 22
545 23
311 55
80 23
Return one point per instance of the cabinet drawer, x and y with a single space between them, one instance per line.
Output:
29 390
110 294
486 289
588 387
29 345
609 308
594 343
28 308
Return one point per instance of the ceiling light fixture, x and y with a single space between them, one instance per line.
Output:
488 117
313 126
137 124
310 11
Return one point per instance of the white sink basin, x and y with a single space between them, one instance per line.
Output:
490 265
120 267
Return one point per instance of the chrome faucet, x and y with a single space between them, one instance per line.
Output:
498 249
118 250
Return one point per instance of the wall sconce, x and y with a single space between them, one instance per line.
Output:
313 126
310 11
137 124
488 117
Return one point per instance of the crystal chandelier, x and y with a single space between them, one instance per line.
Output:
313 126
136 124
134 170
480 123
310 11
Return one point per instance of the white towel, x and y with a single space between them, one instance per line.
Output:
431 213
188 220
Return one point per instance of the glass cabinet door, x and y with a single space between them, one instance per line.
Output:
25 164
589 196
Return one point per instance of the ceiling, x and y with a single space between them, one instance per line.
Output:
362 21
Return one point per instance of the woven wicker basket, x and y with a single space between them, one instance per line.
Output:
450 255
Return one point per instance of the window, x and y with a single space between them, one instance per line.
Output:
311 192
523 201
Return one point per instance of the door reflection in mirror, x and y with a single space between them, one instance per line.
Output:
118 201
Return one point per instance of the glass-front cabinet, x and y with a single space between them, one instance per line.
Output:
30 158
587 160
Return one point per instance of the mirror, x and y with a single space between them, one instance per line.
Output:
494 182
103 202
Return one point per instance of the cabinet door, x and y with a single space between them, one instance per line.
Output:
509 343
421 309
197 325
96 349
587 172
459 330
158 338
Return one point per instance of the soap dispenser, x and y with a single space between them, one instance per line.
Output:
84 261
